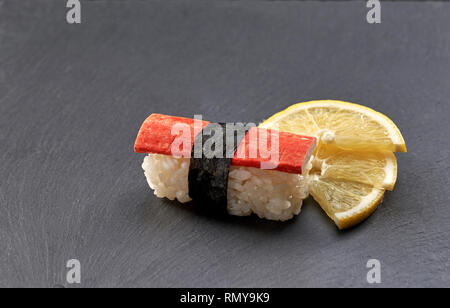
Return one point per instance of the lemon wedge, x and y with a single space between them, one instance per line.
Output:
353 163
346 203
346 125
378 169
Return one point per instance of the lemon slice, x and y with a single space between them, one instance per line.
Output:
378 169
353 164
346 203
346 125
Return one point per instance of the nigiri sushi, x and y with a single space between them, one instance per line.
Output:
263 172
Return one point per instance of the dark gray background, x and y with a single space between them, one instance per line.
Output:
72 98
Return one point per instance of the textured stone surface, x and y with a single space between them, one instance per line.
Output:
72 99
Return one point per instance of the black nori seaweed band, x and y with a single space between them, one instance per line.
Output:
208 177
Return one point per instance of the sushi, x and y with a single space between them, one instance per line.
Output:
236 168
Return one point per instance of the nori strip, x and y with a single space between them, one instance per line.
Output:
208 177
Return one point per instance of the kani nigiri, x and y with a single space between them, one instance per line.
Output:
231 168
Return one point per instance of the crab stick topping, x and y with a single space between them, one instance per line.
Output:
260 148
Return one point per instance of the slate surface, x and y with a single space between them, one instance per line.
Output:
72 98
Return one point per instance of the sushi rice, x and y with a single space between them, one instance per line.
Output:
270 194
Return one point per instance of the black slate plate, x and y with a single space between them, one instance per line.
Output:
72 98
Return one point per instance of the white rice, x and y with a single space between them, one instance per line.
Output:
269 194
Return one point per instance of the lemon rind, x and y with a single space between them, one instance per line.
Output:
361 212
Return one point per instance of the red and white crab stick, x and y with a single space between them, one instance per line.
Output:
156 137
